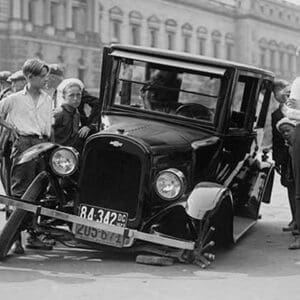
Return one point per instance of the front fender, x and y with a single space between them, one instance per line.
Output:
205 197
34 151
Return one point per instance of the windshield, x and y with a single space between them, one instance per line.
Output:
167 90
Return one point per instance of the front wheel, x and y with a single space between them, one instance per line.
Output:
15 221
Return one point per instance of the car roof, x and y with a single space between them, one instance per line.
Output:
190 58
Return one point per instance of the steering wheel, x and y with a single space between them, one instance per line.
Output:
195 111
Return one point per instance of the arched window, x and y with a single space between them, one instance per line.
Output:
216 43
171 27
273 49
202 38
79 17
263 52
229 41
153 29
135 20
187 31
116 19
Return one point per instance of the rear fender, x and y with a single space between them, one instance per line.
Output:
205 198
34 151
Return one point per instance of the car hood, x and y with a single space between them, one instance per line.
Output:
156 134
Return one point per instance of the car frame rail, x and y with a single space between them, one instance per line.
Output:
126 232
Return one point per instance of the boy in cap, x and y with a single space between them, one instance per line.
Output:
281 156
18 81
286 128
67 117
5 88
56 76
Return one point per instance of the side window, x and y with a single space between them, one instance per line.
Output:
244 95
263 104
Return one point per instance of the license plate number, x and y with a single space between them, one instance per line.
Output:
101 215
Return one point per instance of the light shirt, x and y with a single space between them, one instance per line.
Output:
20 111
291 113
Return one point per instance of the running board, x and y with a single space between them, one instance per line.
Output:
240 226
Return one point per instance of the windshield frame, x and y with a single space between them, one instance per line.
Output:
224 90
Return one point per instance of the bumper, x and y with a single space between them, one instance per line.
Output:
129 235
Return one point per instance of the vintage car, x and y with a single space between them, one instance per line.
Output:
175 168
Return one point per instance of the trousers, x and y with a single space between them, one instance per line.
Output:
22 175
296 170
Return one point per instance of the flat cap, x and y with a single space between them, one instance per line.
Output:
285 121
4 75
16 76
56 69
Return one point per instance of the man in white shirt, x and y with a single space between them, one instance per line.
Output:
28 113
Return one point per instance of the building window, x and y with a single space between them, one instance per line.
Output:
263 57
216 43
53 13
170 40
136 34
229 51
116 31
153 37
281 62
135 19
30 11
290 62
153 25
229 40
202 44
116 17
186 43
216 48
272 60
171 26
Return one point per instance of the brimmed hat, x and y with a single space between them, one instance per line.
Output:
16 76
295 89
285 121
67 82
56 69
4 75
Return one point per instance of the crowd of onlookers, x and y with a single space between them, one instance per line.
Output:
38 105
286 148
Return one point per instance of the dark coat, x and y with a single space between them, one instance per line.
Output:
281 154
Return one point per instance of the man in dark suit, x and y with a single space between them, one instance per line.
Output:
280 149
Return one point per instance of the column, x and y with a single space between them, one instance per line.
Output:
96 27
16 9
25 9
60 16
68 14
47 12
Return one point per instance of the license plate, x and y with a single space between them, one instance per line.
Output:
101 215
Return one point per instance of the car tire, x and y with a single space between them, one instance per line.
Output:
17 218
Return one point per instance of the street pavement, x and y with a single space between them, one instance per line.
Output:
259 267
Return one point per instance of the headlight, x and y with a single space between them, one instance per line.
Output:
170 184
64 161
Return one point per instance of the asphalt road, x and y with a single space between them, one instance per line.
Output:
259 267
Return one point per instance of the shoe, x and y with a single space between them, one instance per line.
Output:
33 242
18 248
290 227
295 245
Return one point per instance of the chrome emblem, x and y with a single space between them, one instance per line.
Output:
116 144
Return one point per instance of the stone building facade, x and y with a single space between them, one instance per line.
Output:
264 33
